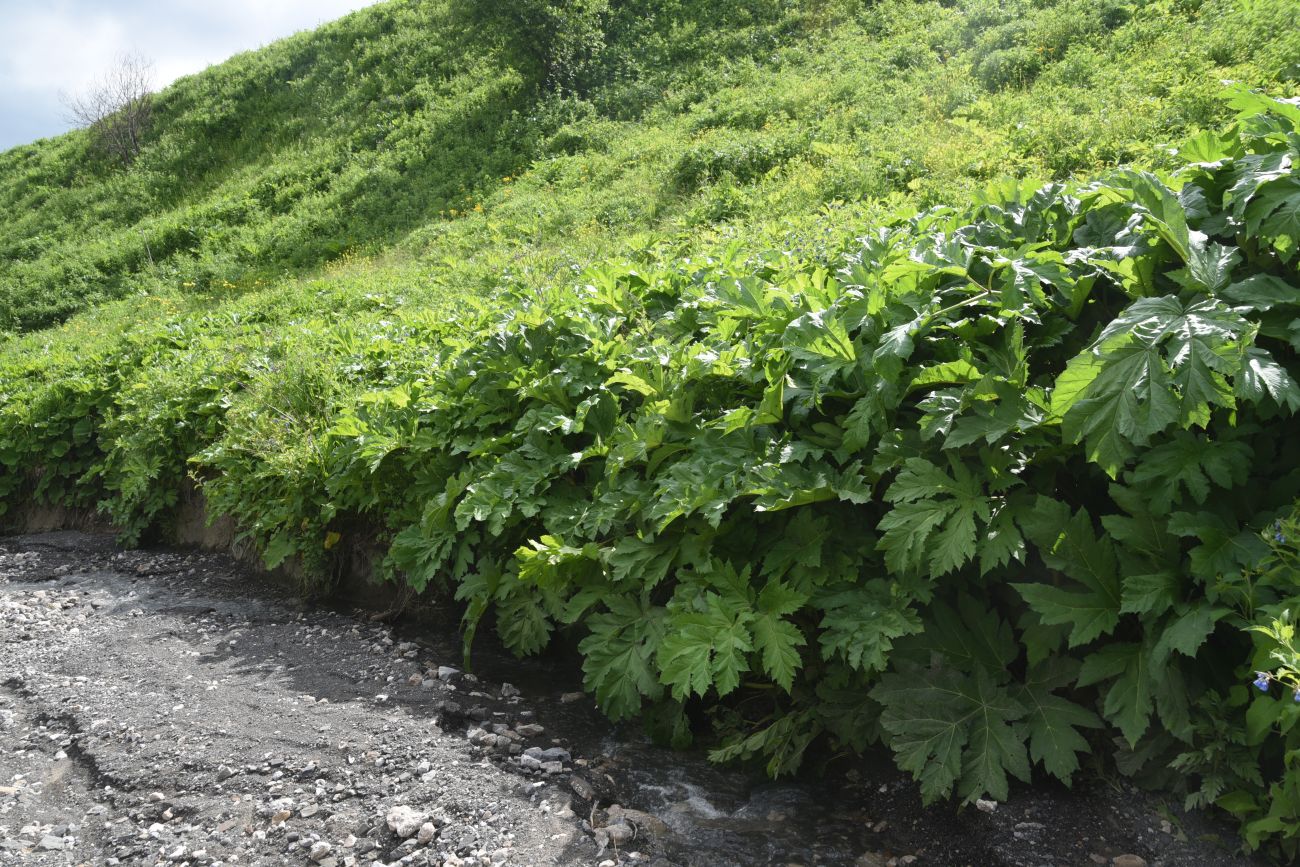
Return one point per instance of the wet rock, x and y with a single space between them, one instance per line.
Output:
645 823
582 788
616 834
1128 861
509 690
530 730
555 754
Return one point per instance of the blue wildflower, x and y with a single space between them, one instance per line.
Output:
1262 681
1297 696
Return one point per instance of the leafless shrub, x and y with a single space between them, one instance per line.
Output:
118 108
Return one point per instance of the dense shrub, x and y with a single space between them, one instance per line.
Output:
996 487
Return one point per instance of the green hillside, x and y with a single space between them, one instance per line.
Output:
829 373
396 129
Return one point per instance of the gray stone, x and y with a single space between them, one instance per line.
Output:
642 821
555 754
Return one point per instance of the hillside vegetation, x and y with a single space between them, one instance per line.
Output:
415 127
811 367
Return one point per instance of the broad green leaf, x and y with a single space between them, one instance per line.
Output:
619 655
708 649
1051 722
1091 606
1130 399
1163 210
1153 593
1274 212
1186 633
1209 265
953 731
821 334
1128 700
861 625
1263 292
777 639
1261 375
641 561
970 635
1209 148
933 522
1223 550
522 623
1191 464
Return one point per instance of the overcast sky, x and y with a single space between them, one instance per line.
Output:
48 46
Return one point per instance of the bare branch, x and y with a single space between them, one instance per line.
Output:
118 108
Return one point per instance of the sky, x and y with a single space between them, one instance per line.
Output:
48 47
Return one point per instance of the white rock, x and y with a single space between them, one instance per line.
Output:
404 821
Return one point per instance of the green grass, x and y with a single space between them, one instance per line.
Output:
394 130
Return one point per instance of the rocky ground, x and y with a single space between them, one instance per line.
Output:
164 707
152 713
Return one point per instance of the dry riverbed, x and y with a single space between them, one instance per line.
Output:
165 707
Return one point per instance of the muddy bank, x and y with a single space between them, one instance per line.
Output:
168 707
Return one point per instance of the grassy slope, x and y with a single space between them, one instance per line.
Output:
399 130
326 203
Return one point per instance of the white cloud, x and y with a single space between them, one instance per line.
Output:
64 45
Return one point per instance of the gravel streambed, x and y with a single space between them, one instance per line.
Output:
168 708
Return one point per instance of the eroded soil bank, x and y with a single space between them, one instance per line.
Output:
168 707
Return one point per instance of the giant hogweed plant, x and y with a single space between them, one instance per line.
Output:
997 488
988 491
